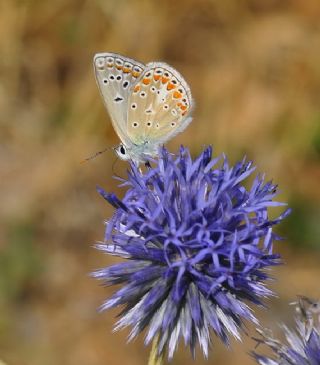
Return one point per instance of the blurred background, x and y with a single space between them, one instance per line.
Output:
254 70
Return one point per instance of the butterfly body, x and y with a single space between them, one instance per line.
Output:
148 104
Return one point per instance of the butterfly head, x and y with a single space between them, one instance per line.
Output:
136 153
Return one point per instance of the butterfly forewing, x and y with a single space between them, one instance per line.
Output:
115 77
159 105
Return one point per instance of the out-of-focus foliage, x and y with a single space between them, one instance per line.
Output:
254 70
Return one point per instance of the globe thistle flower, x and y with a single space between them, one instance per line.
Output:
302 345
198 244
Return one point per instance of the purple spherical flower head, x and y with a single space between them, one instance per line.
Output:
197 243
303 343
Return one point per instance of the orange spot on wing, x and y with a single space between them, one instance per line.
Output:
146 81
177 95
183 107
135 73
164 80
126 70
156 77
170 86
119 67
136 88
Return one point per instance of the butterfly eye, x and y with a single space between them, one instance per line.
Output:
158 72
119 77
125 84
166 106
166 74
122 150
135 124
111 77
105 81
174 82
153 89
173 124
149 124
143 94
133 105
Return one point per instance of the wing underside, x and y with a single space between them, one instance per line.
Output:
159 106
115 76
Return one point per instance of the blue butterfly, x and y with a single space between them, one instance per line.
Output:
148 104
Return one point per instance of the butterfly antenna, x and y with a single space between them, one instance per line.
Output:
95 155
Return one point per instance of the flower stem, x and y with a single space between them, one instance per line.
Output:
154 357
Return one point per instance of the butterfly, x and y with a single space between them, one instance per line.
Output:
148 104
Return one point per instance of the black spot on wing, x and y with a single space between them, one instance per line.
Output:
118 99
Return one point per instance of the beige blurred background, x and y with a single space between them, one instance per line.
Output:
254 70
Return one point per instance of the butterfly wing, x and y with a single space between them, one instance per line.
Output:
159 105
115 76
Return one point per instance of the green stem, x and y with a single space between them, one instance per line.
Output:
154 357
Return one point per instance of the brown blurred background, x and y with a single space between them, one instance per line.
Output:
254 69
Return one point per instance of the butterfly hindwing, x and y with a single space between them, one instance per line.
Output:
159 105
115 77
